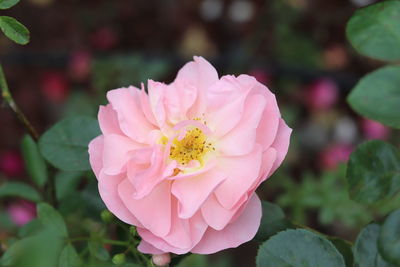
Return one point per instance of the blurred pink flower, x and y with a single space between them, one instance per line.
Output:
335 154
104 38
54 86
11 163
260 76
374 130
183 161
321 95
21 212
80 65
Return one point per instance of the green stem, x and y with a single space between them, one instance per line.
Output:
5 92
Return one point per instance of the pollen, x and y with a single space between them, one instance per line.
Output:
193 146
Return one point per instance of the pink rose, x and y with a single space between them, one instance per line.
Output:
11 164
321 95
183 161
374 130
21 212
335 154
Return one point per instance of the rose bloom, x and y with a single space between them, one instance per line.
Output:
183 161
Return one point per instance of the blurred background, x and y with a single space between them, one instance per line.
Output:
298 48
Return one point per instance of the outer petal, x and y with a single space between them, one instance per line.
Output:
201 74
236 233
108 120
242 172
215 215
109 195
132 121
192 192
281 143
96 154
242 138
268 127
159 243
115 152
225 99
154 210
269 158
184 235
147 248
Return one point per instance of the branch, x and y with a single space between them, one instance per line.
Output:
5 92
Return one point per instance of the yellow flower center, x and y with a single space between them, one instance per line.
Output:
193 146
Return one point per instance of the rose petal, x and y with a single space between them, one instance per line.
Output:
108 120
192 192
132 121
200 74
242 171
234 234
281 143
241 139
154 210
96 154
146 248
145 170
110 197
215 215
115 152
225 99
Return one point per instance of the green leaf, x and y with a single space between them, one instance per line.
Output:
13 252
98 251
298 248
194 260
273 220
39 250
373 172
6 4
66 183
34 161
389 238
375 30
65 145
69 257
14 30
365 249
30 228
18 189
377 96
50 218
344 248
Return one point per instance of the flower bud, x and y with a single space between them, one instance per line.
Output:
161 259
106 216
119 259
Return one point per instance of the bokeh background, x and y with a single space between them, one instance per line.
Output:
298 48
